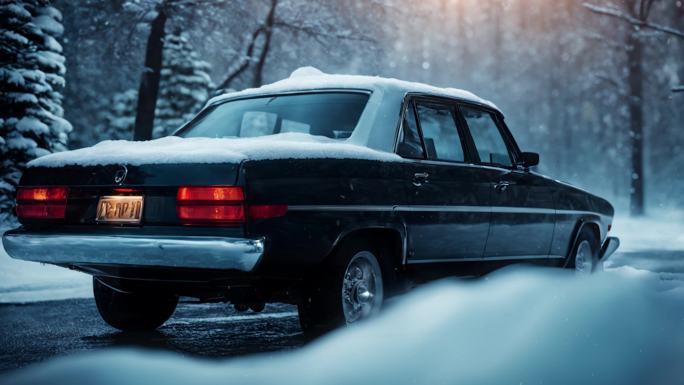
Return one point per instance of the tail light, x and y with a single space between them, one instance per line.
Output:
42 202
267 211
220 205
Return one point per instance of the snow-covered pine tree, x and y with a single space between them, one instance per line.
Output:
185 85
31 78
118 120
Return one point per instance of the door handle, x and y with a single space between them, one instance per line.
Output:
420 178
502 186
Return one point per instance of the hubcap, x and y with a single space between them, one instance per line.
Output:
362 292
584 259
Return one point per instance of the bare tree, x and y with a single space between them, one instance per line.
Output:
157 13
149 81
265 31
260 41
636 13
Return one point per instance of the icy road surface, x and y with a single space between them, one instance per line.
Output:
41 330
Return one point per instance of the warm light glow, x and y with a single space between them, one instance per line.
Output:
41 202
41 194
210 193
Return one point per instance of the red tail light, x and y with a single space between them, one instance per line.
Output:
210 205
220 205
211 214
267 211
42 202
210 194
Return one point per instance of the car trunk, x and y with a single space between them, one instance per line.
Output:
157 183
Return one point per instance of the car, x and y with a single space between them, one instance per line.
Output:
329 192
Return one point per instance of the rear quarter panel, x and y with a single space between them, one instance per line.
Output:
576 208
327 199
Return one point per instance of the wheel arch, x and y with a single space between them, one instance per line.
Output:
386 238
583 223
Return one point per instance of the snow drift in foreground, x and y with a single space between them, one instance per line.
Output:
515 327
173 149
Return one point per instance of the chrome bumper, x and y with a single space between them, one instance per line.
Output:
609 246
161 251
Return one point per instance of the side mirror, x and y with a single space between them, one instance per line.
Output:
529 159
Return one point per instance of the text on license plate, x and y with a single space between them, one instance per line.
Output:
119 209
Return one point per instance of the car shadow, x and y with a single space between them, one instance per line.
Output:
209 337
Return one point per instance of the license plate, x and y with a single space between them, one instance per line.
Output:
119 209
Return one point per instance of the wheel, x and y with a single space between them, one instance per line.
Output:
132 311
585 256
351 290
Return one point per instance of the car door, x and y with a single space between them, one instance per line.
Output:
523 214
446 207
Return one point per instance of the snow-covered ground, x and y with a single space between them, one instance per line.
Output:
516 326
664 231
22 281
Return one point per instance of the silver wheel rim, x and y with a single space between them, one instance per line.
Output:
362 292
584 258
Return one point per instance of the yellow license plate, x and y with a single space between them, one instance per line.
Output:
119 209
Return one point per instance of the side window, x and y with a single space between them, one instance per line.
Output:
490 145
409 138
440 133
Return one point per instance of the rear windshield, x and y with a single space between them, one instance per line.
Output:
331 114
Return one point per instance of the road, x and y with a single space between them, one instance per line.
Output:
38 331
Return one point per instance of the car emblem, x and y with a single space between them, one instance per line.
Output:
120 174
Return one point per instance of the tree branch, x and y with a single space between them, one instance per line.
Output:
616 13
612 82
679 88
317 34
244 60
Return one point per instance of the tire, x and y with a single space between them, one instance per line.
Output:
350 290
584 258
132 311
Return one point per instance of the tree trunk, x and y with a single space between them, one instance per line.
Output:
636 121
149 82
268 33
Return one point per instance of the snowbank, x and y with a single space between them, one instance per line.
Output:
173 149
310 78
22 281
664 231
516 327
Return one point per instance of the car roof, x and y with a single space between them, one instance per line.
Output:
309 79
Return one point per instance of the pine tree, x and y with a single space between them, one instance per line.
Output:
185 85
118 120
31 78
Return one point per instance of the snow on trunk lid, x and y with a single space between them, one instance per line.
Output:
177 150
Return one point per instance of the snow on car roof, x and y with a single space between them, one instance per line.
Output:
310 78
373 138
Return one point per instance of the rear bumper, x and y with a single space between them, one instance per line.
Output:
610 245
194 252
